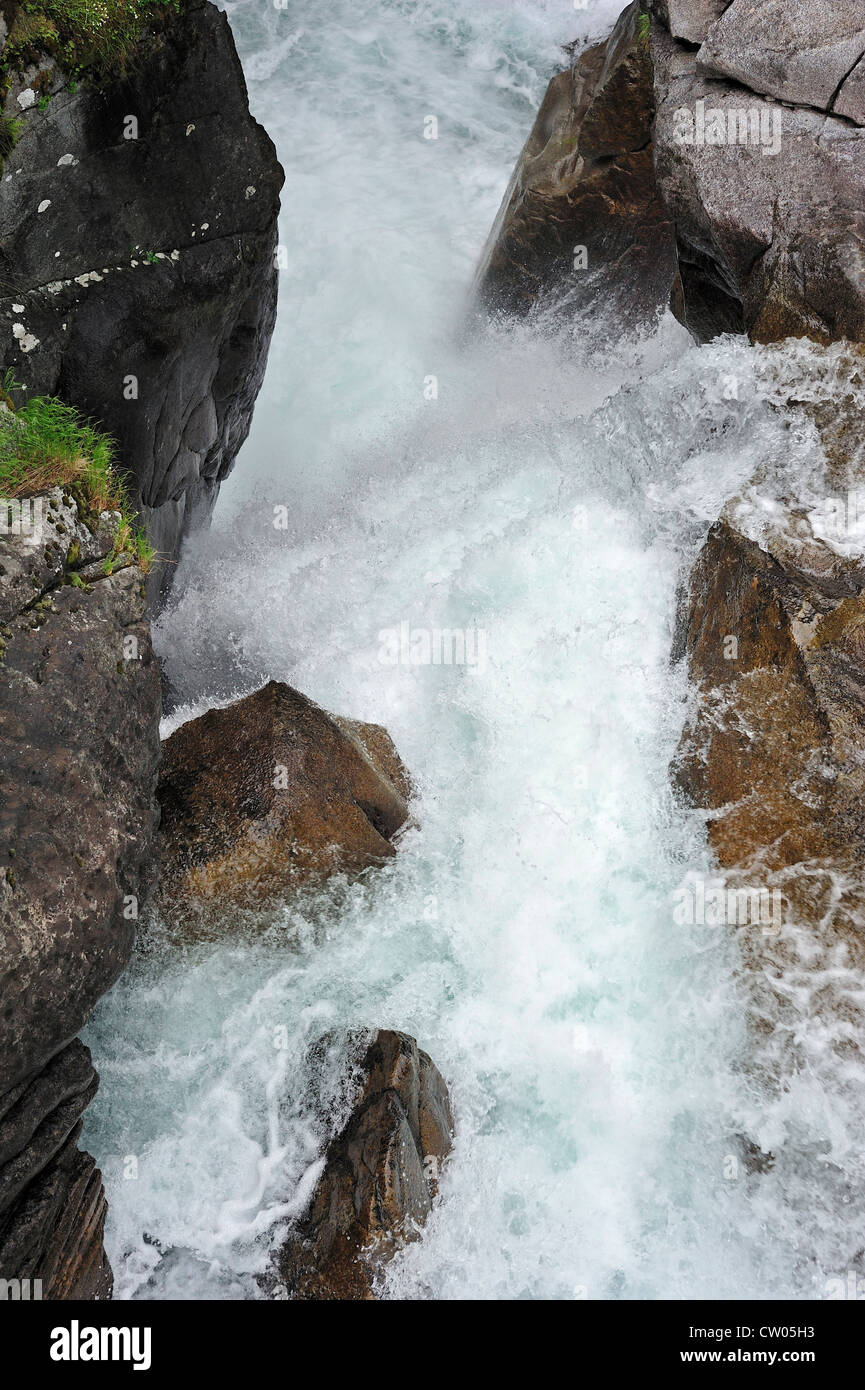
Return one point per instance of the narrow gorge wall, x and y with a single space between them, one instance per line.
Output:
137 283
137 275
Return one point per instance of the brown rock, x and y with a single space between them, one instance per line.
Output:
379 1179
774 752
586 179
774 757
272 792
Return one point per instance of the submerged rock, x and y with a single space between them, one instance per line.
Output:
582 217
380 1176
272 792
79 746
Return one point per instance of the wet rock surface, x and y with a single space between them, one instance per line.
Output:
582 219
775 639
774 634
79 746
269 793
380 1176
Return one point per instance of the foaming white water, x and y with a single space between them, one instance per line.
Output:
551 498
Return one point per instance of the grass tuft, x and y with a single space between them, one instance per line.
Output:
93 37
45 444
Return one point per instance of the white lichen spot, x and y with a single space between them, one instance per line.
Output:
175 255
18 308
190 128
46 203
26 341
134 264
54 287
56 254
27 98
204 226
66 159
250 192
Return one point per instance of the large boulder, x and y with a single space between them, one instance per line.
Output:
269 793
79 747
380 1176
582 218
767 202
137 277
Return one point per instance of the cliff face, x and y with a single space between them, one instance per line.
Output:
137 283
79 750
137 276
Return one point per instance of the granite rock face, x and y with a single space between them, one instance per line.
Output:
79 748
270 793
52 1202
690 20
802 53
767 201
380 1176
582 220
137 275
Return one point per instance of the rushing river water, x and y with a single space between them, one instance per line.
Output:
547 490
